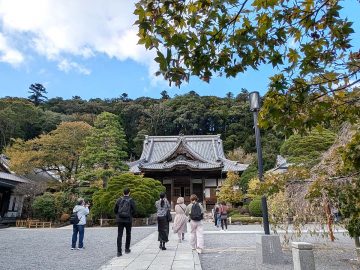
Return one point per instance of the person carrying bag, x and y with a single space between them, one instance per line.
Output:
223 215
196 213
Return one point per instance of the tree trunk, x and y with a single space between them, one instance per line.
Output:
329 220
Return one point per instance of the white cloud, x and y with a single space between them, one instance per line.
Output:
66 66
8 54
76 28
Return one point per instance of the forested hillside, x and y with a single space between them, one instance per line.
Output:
183 114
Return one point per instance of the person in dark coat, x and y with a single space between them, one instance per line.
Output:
124 210
162 207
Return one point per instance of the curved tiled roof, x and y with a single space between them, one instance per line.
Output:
205 152
11 180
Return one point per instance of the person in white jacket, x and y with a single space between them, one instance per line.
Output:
82 211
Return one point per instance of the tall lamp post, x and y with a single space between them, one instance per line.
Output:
255 107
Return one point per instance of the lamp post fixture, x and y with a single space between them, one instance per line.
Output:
255 107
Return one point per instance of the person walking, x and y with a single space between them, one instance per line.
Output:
196 213
124 210
82 210
180 219
163 206
216 214
223 215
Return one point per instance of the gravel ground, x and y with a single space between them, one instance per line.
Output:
229 251
49 249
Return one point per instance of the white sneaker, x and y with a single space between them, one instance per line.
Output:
179 240
199 250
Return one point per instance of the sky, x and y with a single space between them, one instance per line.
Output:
88 48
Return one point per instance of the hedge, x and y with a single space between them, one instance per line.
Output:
44 207
246 219
255 207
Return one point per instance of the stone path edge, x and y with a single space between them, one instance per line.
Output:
146 255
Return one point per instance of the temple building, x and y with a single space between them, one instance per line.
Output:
10 201
186 165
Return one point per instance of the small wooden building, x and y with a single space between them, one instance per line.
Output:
10 202
186 165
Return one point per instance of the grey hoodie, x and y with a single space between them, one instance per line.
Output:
82 212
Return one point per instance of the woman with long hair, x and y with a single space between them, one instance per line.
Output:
180 219
162 206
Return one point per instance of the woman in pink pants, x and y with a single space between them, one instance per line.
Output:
196 213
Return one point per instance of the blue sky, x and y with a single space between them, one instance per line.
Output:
88 48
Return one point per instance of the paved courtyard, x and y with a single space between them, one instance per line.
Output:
235 249
45 249
49 249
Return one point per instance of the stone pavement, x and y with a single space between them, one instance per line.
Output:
147 255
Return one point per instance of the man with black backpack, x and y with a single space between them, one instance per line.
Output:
124 210
196 213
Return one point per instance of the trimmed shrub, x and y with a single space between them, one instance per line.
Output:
44 207
255 207
144 191
246 220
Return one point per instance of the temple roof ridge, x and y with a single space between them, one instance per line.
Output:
201 151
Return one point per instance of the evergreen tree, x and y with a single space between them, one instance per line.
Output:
105 149
164 95
37 92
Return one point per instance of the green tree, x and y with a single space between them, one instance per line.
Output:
144 191
19 118
44 207
306 150
139 142
58 151
307 41
349 193
247 175
37 92
104 152
125 97
164 95
337 182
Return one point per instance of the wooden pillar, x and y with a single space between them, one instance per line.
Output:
203 192
191 186
172 194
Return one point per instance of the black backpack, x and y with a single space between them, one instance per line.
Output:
124 210
74 219
196 212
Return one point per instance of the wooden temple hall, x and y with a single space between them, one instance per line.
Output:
186 165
